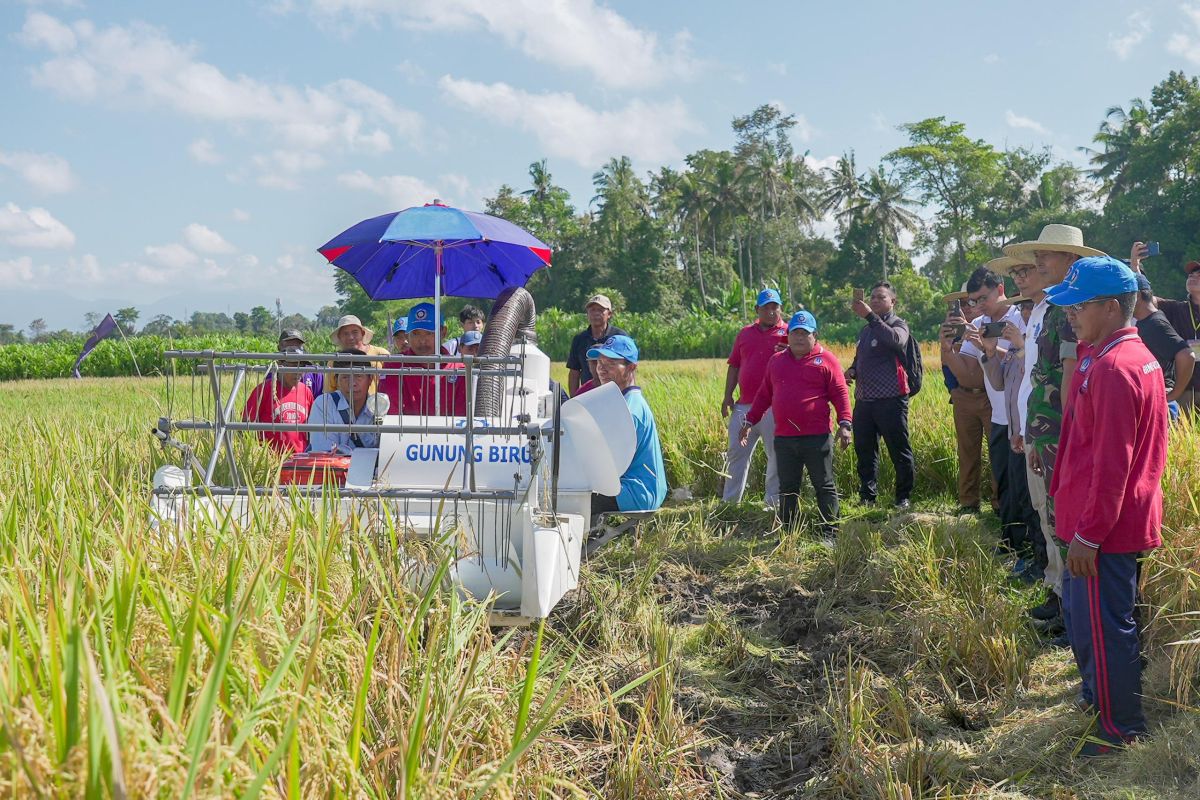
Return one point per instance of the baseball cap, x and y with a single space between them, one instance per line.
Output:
768 296
616 347
1091 277
420 317
600 300
291 333
1143 283
400 326
470 337
804 321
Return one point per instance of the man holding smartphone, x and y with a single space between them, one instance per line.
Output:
985 290
1184 316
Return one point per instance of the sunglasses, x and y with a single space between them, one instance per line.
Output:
1019 274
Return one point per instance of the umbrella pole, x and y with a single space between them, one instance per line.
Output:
437 323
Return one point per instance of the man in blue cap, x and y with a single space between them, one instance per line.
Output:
754 346
1107 490
644 484
1165 343
400 335
415 394
800 385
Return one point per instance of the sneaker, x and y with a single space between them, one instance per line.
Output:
1083 705
1060 642
1050 627
1047 610
903 505
1094 748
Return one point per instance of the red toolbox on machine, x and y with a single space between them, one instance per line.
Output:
315 469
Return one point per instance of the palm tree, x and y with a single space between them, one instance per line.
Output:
1119 134
886 206
621 196
843 189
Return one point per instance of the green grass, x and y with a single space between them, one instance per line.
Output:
715 656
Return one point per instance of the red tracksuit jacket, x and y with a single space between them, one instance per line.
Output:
1107 484
800 390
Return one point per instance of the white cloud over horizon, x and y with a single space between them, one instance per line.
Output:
1014 120
1187 45
35 228
575 34
564 126
1137 27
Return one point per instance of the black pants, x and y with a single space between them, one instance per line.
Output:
1029 527
794 454
887 418
603 504
1011 522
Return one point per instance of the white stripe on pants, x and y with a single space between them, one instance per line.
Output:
738 459
1054 562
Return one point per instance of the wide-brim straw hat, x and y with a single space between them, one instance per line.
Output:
349 320
961 294
1056 239
1004 265
1017 299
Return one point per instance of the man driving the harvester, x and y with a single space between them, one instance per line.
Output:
414 394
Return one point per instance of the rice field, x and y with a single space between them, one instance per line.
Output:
714 656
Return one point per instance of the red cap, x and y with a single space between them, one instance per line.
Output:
1191 267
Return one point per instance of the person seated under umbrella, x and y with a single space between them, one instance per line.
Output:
414 394
644 484
347 404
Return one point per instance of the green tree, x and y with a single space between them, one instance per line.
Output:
953 174
127 318
262 321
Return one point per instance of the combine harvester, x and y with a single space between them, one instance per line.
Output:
507 485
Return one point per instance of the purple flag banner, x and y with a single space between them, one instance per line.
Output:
106 326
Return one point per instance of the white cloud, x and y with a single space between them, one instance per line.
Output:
1187 45
818 164
576 34
206 240
204 152
171 256
36 228
401 191
1137 25
239 215
23 272
45 172
16 272
991 58
1016 121
139 63
568 128
778 68
411 71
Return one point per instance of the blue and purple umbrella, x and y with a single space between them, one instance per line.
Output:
435 250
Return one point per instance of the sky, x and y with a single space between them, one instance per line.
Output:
183 156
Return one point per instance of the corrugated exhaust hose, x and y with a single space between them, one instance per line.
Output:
513 318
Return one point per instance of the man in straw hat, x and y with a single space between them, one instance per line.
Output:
1049 364
1108 491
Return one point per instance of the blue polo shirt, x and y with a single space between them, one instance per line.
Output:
644 484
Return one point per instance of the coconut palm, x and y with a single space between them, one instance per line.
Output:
885 206
843 189
1118 135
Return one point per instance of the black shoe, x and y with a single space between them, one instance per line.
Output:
866 501
903 505
1082 705
1047 610
1050 627
1061 642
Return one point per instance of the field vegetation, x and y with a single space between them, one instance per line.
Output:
713 655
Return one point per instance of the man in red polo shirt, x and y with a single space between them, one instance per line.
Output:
753 347
414 394
800 385
1106 490
285 400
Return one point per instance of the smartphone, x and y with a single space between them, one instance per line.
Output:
956 308
993 330
859 294
1152 249
959 328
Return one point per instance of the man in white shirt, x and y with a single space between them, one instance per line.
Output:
345 405
985 290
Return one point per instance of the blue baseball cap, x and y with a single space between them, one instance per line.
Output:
420 317
768 296
1092 277
470 337
804 321
616 347
400 326
1143 282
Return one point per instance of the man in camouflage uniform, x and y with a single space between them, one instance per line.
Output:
1050 345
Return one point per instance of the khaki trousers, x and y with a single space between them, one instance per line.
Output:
972 427
1054 560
